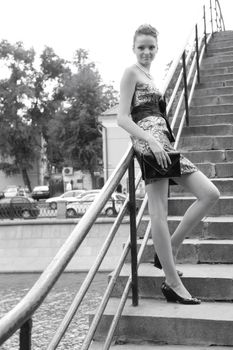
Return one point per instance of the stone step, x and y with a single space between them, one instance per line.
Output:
217 59
212 100
177 206
221 45
170 323
198 143
202 119
228 42
224 185
196 251
205 281
213 84
217 78
124 345
219 227
224 170
211 109
222 35
211 129
219 50
215 53
211 156
217 63
213 92
215 70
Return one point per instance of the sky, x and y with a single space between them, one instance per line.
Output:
104 27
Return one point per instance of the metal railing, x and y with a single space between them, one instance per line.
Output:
186 65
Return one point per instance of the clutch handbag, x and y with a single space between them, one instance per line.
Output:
152 170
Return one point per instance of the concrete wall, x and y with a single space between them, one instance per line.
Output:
30 245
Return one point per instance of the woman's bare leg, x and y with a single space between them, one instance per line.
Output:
158 203
207 195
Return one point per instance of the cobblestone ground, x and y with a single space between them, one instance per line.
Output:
49 315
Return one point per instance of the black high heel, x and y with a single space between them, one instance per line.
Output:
157 264
172 296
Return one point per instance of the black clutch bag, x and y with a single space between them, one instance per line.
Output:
152 170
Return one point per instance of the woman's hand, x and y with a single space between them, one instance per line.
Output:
161 155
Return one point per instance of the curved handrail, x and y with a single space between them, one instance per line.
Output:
221 16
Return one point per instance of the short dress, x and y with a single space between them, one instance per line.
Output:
146 114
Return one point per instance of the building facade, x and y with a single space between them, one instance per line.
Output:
115 143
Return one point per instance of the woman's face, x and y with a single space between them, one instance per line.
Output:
145 49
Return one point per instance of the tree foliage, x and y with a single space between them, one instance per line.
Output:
18 138
59 101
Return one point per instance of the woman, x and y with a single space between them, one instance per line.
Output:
150 131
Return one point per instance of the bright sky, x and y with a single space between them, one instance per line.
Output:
104 27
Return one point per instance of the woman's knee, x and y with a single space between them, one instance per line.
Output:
212 195
201 187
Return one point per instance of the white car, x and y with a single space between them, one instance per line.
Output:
69 196
12 191
79 207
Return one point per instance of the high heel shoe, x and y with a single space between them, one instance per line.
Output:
157 264
172 296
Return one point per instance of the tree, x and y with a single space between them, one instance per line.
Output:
19 141
28 100
49 98
76 126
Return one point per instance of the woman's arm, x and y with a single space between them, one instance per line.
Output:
127 88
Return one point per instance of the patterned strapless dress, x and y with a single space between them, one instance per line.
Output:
146 113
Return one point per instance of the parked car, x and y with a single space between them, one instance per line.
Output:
79 207
69 196
94 191
12 191
40 192
18 207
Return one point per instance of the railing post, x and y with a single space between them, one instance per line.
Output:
133 232
12 212
197 56
205 35
211 17
216 16
25 335
185 90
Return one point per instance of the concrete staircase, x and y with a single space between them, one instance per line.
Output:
206 257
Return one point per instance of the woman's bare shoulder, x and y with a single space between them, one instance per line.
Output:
130 72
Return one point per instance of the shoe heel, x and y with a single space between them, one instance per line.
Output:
168 296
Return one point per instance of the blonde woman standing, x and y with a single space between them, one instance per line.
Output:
140 116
